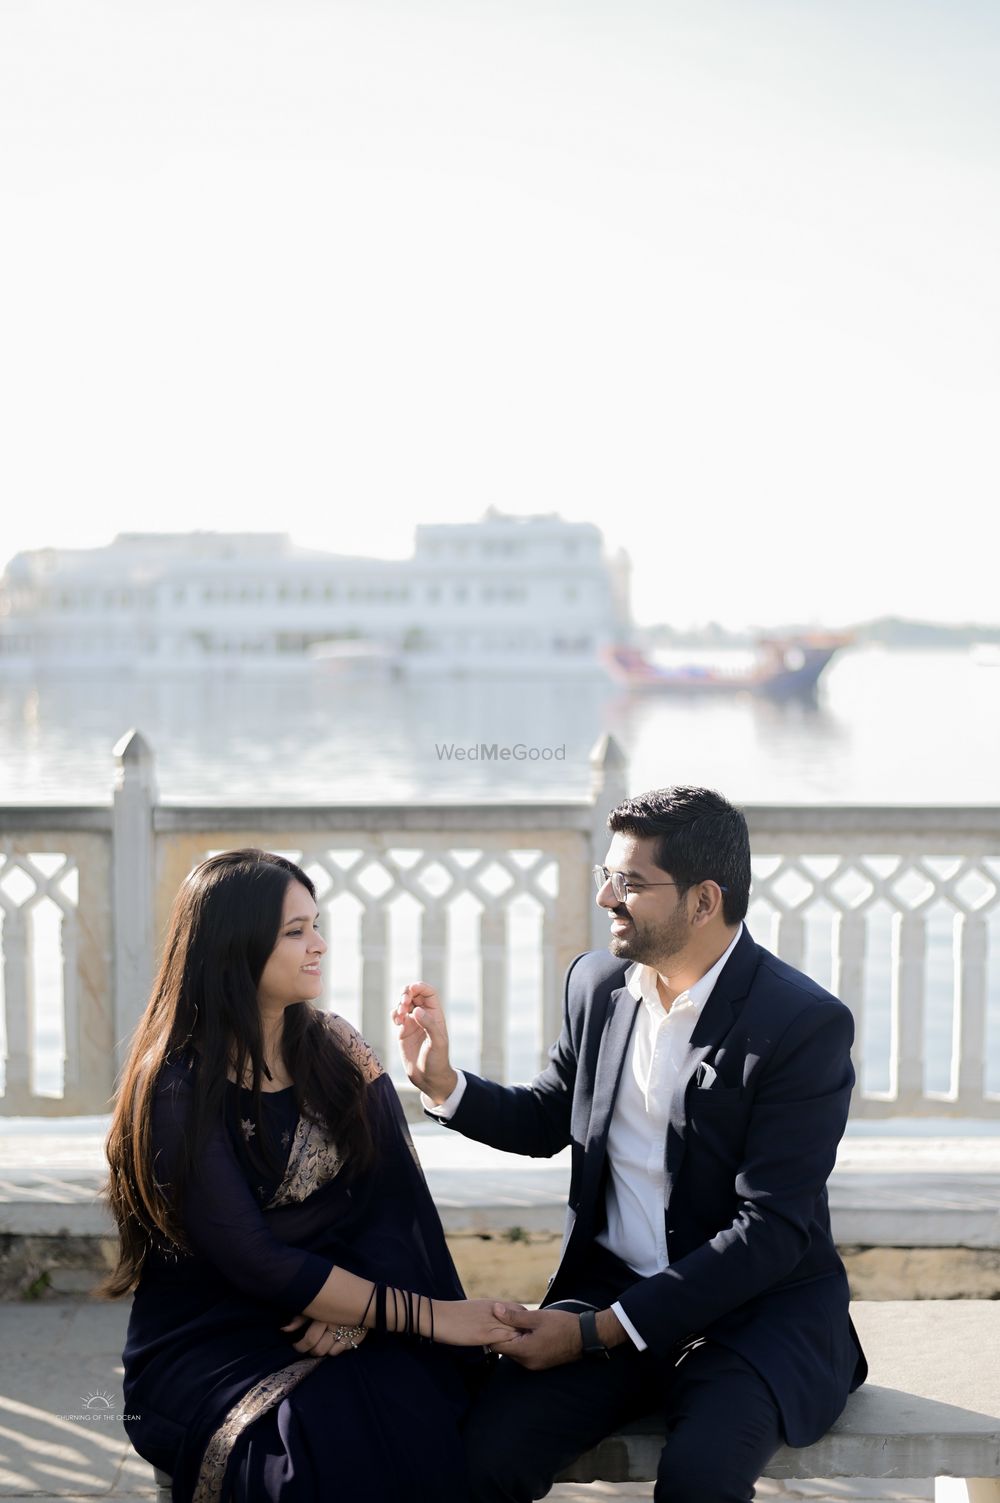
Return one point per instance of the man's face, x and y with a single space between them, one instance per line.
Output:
651 925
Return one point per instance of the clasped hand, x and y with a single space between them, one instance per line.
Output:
457 1322
542 1338
533 1338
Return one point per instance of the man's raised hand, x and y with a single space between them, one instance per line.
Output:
422 1034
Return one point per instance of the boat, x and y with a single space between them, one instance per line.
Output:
786 668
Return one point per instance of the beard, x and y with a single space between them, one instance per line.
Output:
650 943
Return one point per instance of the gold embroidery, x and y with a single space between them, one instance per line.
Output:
349 1038
262 1397
313 1160
312 1163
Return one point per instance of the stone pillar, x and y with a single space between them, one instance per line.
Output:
609 772
132 862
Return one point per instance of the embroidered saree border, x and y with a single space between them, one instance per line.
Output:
312 1162
262 1397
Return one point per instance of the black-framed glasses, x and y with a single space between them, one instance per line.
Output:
621 886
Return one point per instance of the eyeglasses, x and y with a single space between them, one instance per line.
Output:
621 886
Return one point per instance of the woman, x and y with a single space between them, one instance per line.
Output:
272 1216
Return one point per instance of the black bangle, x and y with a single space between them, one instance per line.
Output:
371 1300
592 1344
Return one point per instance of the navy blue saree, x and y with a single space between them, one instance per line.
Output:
221 1399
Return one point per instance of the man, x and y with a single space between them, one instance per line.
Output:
704 1086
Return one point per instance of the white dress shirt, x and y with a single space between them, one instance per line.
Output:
636 1230
636 1226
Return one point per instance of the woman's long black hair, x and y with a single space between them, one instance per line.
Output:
203 1010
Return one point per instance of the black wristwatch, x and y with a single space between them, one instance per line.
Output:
593 1346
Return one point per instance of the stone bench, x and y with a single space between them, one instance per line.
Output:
930 1408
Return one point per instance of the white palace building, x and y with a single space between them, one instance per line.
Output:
508 595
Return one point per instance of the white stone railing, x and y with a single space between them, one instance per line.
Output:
55 905
896 909
389 879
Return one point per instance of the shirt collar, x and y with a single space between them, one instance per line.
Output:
641 982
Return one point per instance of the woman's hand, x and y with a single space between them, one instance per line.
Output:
474 1322
318 1339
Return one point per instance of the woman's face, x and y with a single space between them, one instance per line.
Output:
292 973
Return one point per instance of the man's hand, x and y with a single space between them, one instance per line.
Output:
549 1337
422 1035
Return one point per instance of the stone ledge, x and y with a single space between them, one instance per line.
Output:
515 1263
926 1411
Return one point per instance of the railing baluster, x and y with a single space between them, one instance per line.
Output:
970 1012
909 949
433 944
94 997
848 981
18 990
375 979
552 986
792 938
493 963
71 1001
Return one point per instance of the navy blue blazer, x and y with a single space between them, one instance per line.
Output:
748 1151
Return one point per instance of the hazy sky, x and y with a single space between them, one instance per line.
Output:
720 276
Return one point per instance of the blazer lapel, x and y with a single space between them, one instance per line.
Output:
622 1009
711 1028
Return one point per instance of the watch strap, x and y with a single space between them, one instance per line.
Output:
592 1344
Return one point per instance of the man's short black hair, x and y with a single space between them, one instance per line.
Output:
699 836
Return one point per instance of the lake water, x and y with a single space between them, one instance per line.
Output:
888 727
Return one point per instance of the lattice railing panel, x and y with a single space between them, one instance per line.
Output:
904 924
441 883
55 952
474 910
912 944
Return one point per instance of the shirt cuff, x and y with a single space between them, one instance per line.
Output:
449 1106
630 1329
